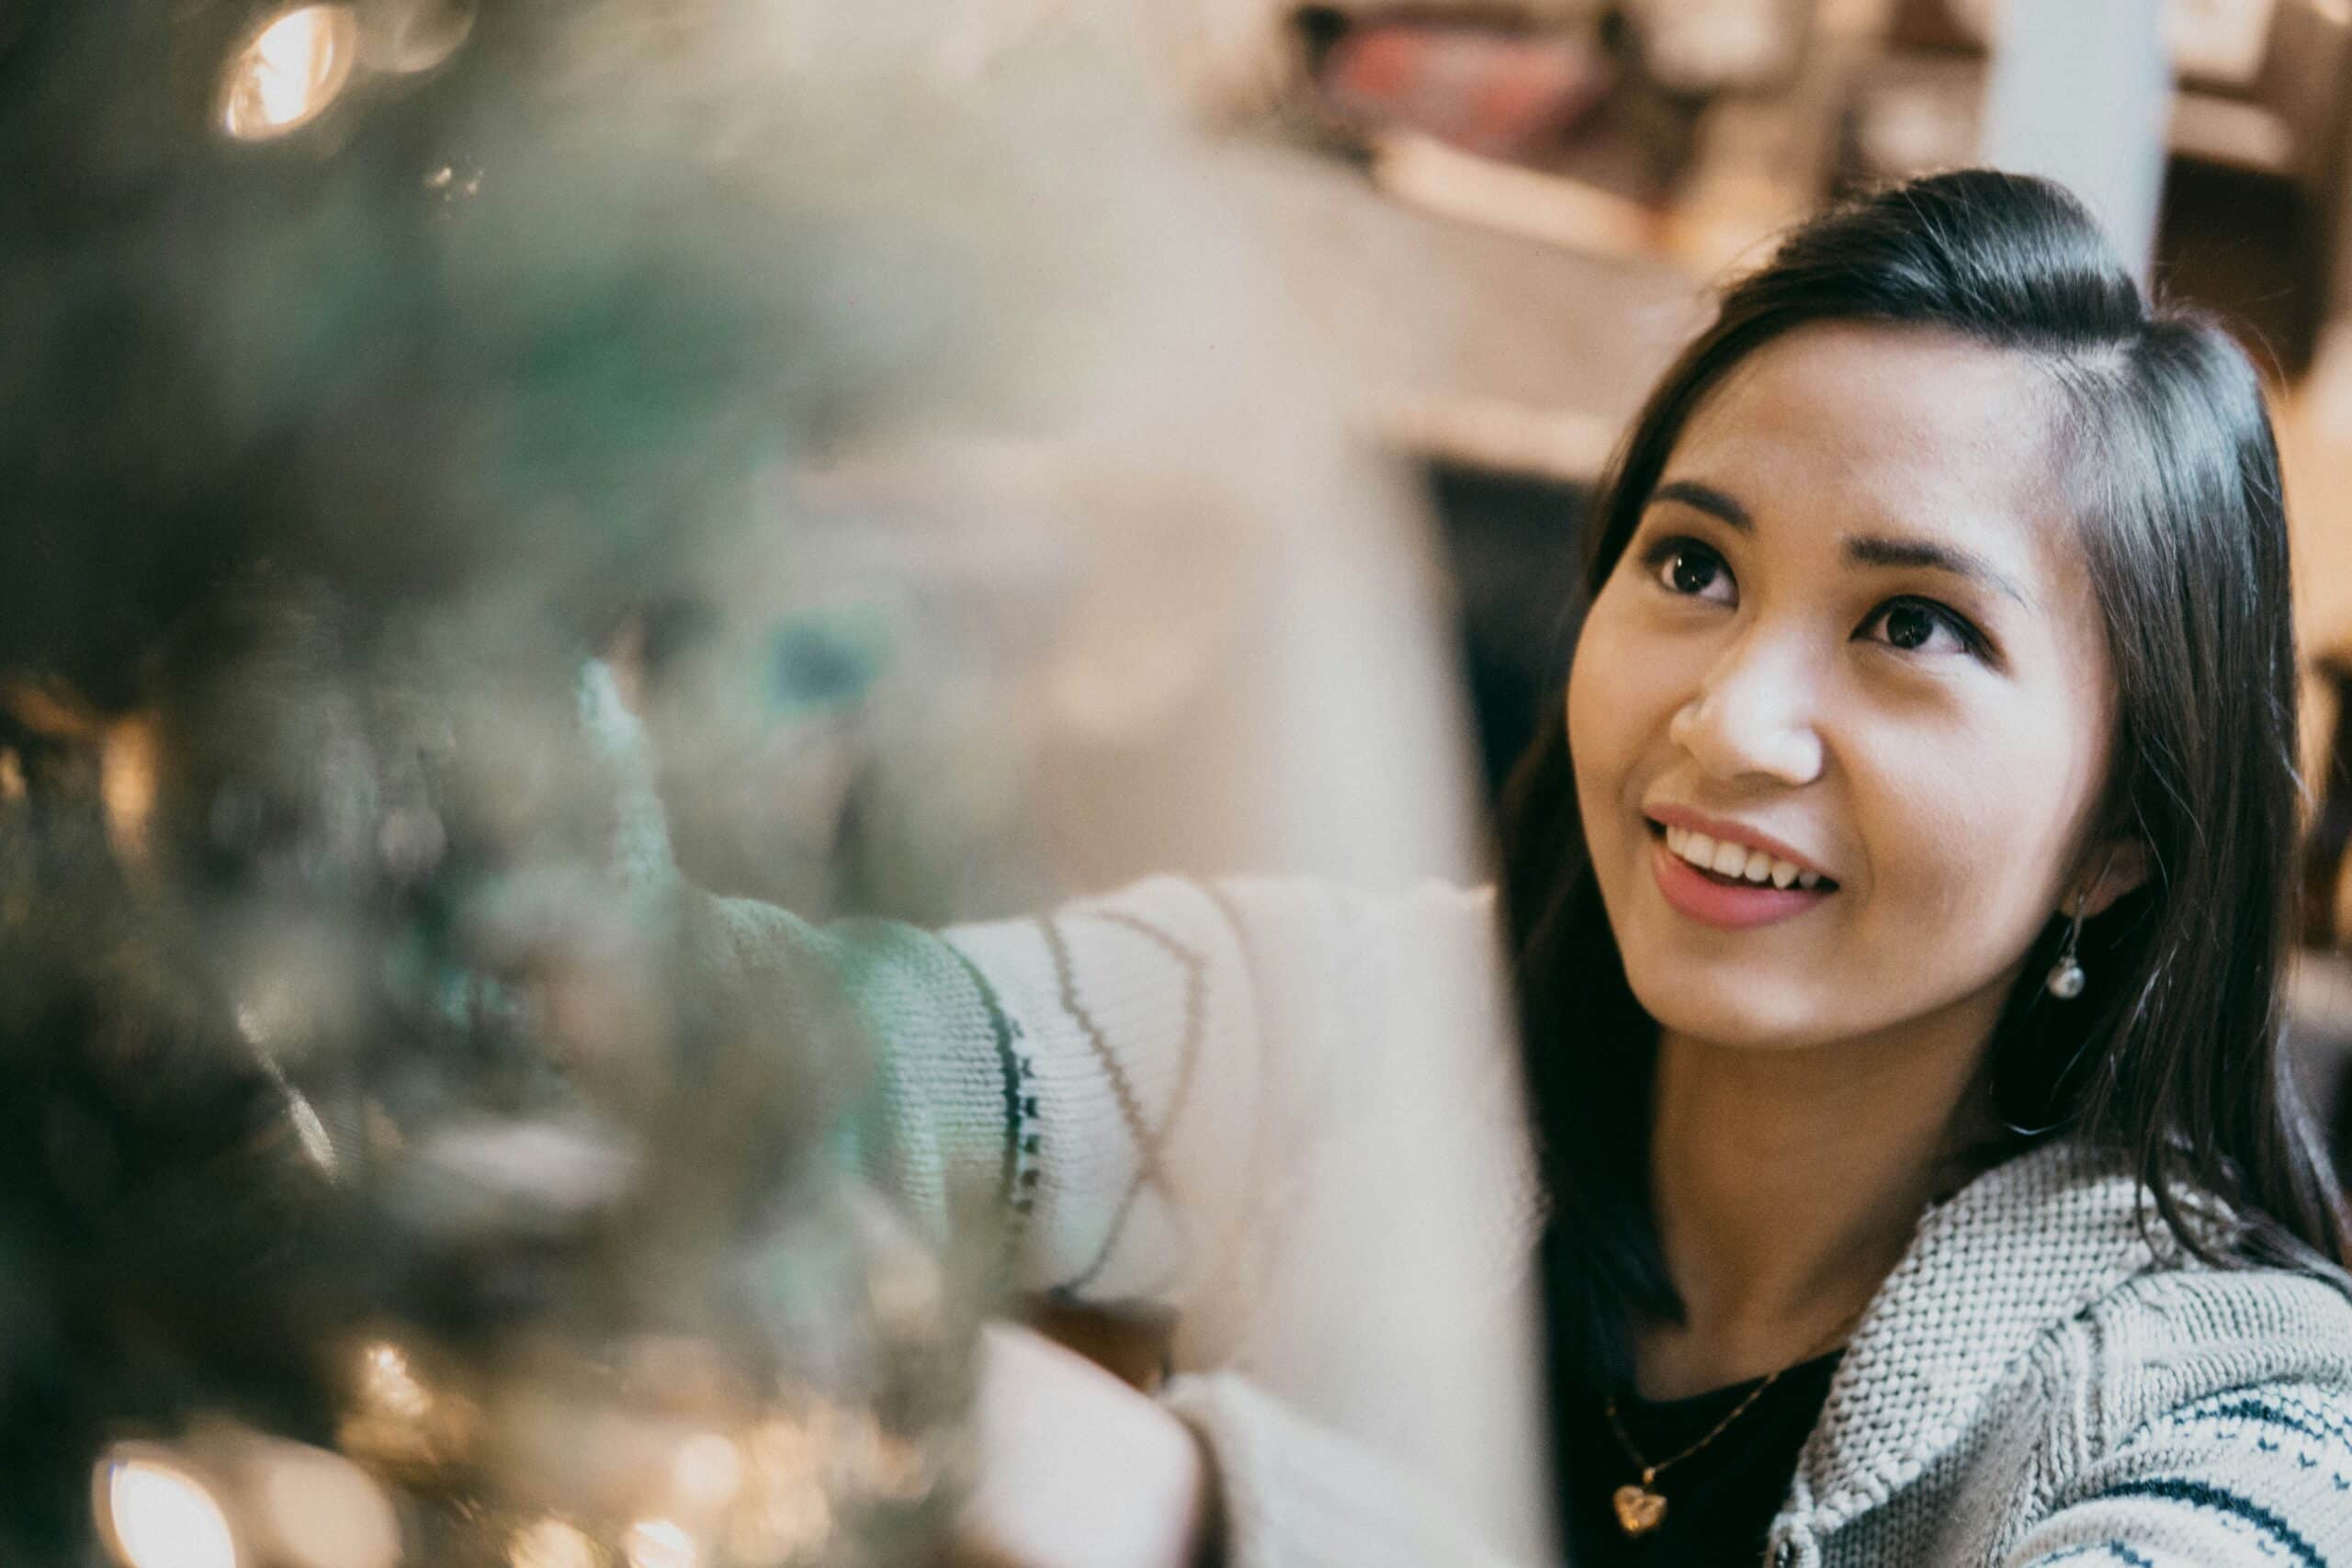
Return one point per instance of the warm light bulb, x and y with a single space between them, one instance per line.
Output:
288 71
154 1514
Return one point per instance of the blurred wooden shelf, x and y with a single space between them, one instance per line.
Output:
1470 341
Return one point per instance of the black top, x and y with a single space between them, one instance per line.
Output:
1720 1501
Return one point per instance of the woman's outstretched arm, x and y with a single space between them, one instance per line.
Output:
1283 1114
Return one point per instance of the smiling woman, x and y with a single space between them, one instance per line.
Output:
1944 566
1894 907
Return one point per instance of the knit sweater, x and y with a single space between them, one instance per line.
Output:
1171 1088
1289 1114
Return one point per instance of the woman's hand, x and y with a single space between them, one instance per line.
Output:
1077 1469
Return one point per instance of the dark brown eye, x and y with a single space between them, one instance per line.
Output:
1921 625
1693 572
1909 626
1688 567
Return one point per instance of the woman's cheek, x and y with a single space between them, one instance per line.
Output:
1957 850
1602 728
1605 685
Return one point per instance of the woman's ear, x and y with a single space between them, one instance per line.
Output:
2118 866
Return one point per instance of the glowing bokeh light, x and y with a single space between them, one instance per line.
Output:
552 1543
707 1471
405 37
660 1543
325 1511
289 72
154 1514
127 770
387 1383
779 1526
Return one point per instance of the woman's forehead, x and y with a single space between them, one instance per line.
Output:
1837 427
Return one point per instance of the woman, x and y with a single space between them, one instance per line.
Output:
1896 905
2046 785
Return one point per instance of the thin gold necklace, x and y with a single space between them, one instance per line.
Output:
1641 1508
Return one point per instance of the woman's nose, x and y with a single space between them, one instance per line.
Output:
1754 716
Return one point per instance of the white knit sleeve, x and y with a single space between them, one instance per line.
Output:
1290 1113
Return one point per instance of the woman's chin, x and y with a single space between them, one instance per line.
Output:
1735 1010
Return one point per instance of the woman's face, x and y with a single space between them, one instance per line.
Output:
1854 636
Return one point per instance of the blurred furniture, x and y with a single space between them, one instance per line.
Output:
1700 47
1610 96
2258 132
1513 545
2320 995
2329 838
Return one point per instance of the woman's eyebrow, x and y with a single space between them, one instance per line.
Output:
1705 498
1865 549
1871 549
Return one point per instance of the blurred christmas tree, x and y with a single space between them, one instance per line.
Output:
382 1175
890 406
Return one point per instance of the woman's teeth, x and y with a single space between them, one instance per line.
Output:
1736 862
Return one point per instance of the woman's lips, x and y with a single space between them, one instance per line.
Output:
1725 906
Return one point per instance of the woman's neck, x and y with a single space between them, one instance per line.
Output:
1786 1184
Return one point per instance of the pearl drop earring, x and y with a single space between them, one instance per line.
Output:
2065 981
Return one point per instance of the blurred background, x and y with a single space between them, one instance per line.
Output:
993 450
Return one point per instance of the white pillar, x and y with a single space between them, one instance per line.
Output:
2081 91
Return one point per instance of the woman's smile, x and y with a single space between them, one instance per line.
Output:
1730 875
1714 899
1719 882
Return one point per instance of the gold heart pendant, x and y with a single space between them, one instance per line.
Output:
1639 1509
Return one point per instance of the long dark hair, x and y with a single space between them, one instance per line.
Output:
2172 1054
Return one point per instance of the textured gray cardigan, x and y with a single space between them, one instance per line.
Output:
1192 1095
